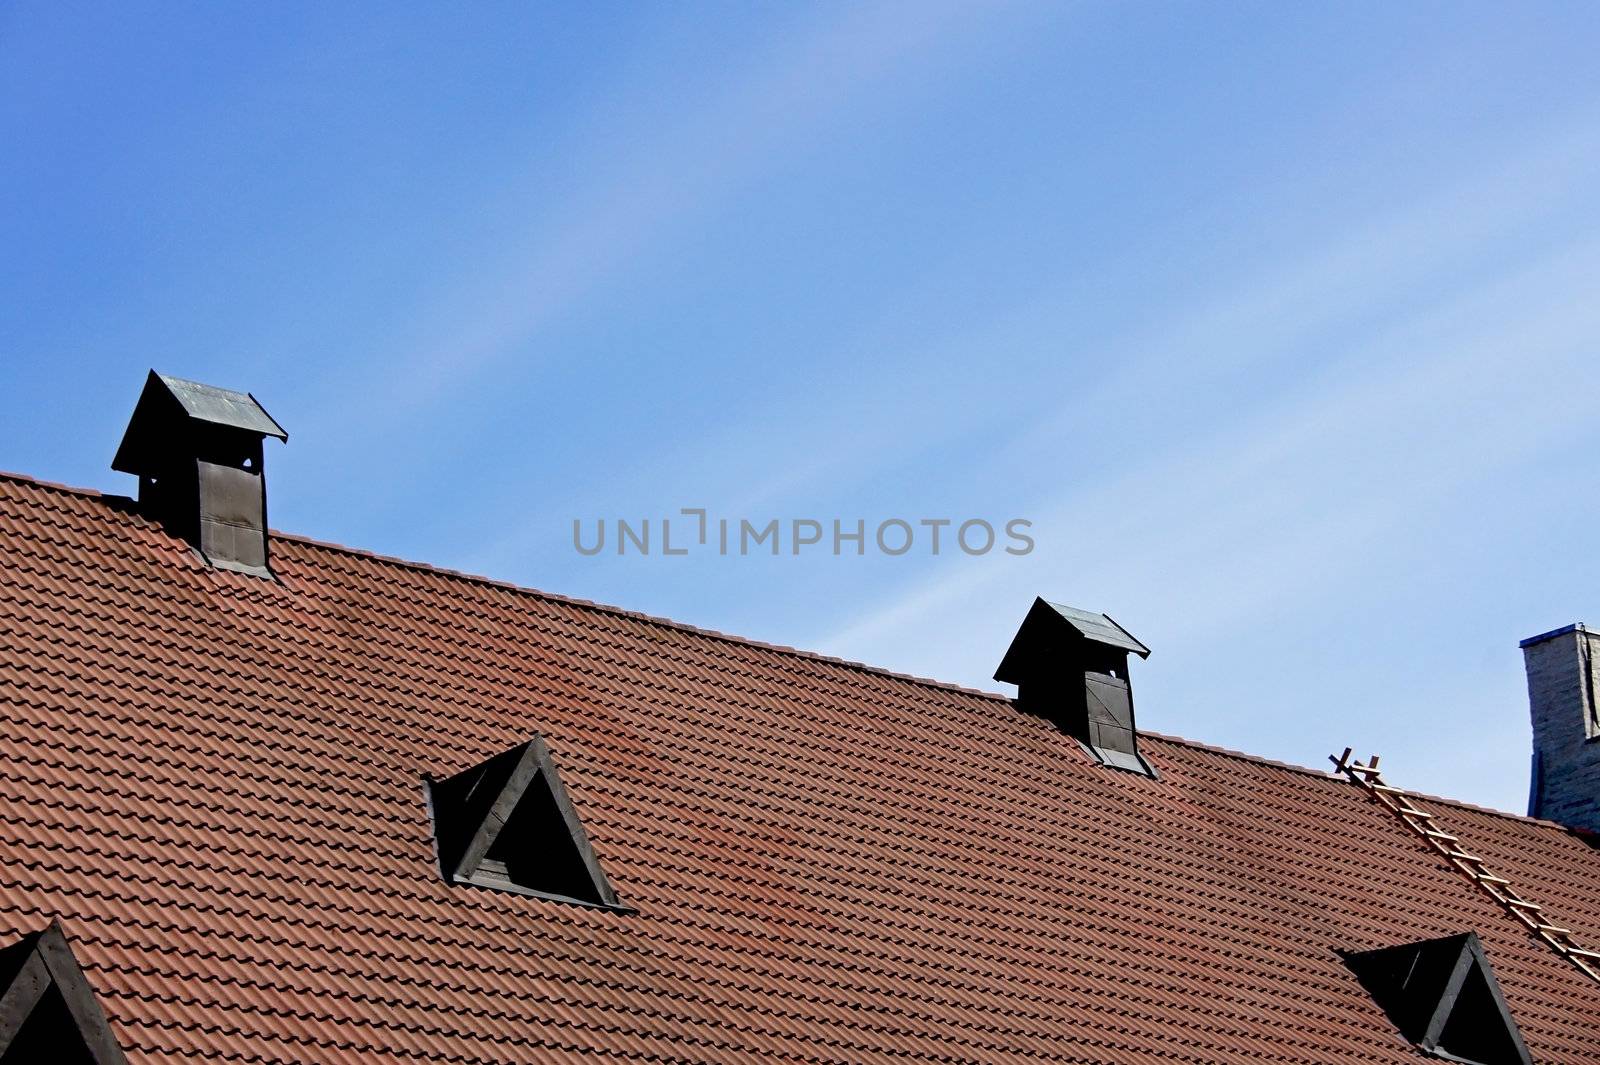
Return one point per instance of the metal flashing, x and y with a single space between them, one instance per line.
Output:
1131 762
1553 633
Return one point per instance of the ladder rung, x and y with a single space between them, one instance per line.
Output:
1580 952
1553 930
1489 878
1411 812
1523 904
1447 837
1386 788
1463 856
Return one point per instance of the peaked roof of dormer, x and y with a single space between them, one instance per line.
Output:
48 1011
1443 996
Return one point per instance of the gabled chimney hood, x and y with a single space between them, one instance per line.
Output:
1071 666
198 456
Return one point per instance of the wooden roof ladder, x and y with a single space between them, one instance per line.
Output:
1530 914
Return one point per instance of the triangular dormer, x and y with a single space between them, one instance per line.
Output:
508 823
1443 996
48 1010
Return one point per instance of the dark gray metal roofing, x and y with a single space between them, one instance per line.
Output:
168 402
1099 628
1128 760
222 406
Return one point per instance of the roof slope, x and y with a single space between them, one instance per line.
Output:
215 782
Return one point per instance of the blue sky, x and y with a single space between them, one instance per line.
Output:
1278 322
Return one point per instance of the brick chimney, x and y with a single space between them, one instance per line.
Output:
1565 784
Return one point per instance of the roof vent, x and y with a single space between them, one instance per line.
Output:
507 823
48 1011
197 453
1071 666
1442 995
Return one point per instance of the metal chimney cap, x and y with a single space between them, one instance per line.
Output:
222 406
1051 629
167 397
1099 628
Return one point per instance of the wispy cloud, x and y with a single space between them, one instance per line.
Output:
1269 316
1277 495
664 175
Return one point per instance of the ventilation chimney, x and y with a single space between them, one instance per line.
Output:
197 453
1071 666
1565 783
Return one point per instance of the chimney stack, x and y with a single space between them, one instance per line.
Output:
1565 784
1071 666
197 453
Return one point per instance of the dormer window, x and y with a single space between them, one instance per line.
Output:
509 824
1443 996
48 1011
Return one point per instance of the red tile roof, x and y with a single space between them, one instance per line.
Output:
215 782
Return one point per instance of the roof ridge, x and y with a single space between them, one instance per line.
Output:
40 482
637 615
1276 763
1462 804
557 597
746 641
